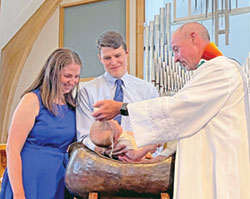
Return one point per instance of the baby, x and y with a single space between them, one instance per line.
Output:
110 133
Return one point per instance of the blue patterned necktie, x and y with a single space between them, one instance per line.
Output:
118 97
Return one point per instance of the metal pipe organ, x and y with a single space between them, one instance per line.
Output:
160 68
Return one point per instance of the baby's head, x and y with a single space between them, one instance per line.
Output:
103 133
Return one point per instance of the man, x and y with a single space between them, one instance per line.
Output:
113 55
209 117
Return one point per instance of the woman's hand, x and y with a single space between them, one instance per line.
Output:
117 150
100 150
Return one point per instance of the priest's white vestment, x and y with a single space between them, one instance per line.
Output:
210 119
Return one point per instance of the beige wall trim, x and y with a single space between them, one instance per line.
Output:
128 28
61 16
13 57
86 79
77 3
61 26
140 19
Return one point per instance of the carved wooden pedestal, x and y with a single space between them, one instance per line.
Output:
90 175
95 196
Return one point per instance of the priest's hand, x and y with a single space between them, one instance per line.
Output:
106 109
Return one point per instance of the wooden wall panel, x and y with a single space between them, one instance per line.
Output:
140 19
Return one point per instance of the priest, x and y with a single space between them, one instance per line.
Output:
209 118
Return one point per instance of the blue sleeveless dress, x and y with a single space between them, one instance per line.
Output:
44 155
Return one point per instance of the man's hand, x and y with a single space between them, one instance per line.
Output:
158 158
125 158
155 159
107 109
152 147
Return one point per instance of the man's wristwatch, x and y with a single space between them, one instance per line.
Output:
124 110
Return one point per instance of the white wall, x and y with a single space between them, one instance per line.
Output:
46 42
13 14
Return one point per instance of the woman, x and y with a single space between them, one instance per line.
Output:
42 128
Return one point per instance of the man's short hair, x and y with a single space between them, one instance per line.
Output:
111 39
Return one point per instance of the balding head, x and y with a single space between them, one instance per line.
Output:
188 44
198 28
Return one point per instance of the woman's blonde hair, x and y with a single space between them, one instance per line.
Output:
48 80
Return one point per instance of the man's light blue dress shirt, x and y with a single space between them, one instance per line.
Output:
103 87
